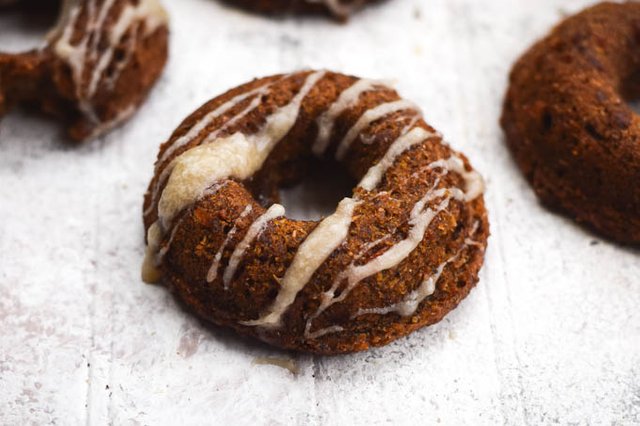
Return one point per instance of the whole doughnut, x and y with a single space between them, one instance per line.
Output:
397 255
96 66
568 123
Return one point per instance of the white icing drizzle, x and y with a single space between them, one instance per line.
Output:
374 175
150 272
420 218
368 246
203 123
238 156
368 118
368 140
120 118
195 130
89 50
410 304
197 169
213 270
412 301
321 332
256 228
312 253
154 252
347 99
473 182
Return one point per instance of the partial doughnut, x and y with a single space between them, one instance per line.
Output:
96 67
568 122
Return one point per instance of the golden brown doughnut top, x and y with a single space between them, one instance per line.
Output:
414 222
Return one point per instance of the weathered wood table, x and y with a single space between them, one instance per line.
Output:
551 333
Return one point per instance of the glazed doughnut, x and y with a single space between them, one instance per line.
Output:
568 123
96 67
340 9
396 255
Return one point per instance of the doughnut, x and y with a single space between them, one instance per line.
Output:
569 124
339 9
96 66
398 254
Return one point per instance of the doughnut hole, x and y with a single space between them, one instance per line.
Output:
317 192
24 24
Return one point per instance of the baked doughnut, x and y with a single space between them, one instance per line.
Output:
397 255
340 9
568 123
96 67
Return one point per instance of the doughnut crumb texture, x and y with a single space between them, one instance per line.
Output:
396 255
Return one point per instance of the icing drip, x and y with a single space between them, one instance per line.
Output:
322 331
95 49
240 156
237 156
213 270
411 302
312 253
150 272
194 131
347 99
254 231
420 218
368 140
409 305
199 126
473 182
367 119
374 175
419 221
121 117
154 252
367 247
198 168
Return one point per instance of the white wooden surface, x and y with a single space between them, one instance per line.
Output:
551 334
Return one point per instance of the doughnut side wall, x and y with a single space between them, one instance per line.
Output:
568 122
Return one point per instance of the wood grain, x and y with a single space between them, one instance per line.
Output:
551 334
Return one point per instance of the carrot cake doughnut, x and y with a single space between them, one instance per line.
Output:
339 9
398 254
96 66
568 122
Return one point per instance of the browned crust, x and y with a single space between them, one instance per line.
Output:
567 122
41 79
202 229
